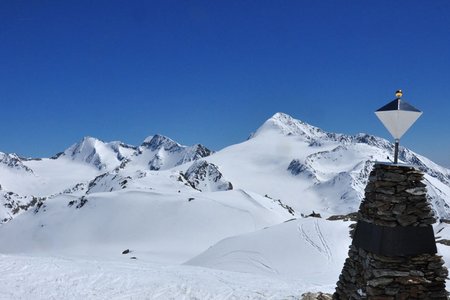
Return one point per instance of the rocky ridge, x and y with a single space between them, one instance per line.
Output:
206 177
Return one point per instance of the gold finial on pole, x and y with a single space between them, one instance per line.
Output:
398 94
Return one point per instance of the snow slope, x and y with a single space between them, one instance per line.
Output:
310 248
170 227
280 262
42 278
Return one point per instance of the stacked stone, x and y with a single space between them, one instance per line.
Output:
395 197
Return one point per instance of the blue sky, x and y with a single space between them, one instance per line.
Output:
211 72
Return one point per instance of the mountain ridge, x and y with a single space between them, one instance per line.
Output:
284 151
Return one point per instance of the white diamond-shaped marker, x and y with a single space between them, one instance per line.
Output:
398 116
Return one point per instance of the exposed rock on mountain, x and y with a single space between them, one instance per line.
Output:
158 142
14 204
12 161
298 168
108 182
206 177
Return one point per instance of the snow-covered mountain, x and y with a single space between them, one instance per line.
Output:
327 168
224 210
162 153
98 153
286 159
12 162
88 166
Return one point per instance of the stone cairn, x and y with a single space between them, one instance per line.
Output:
393 253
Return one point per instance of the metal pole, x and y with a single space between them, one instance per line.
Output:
397 141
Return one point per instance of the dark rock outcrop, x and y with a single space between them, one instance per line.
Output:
206 177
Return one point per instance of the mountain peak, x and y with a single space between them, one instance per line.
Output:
282 117
160 152
158 141
287 125
89 139
98 153
86 143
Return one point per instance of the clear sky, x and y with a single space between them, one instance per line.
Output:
211 72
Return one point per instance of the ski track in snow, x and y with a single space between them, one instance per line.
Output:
255 257
323 241
323 247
